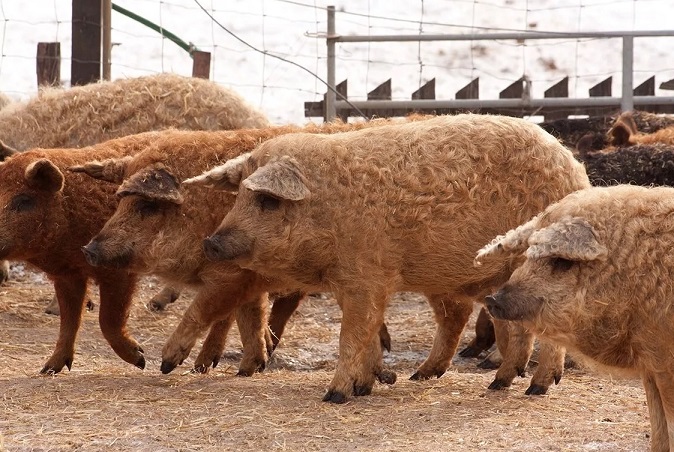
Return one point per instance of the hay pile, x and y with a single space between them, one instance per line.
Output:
86 115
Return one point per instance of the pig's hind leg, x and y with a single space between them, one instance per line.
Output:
451 316
662 425
360 353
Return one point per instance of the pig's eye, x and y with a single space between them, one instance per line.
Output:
22 203
559 264
267 202
146 207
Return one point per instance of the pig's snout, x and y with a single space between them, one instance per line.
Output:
98 254
214 249
92 253
513 303
494 305
226 245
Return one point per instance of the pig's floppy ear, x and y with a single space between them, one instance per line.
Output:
573 239
281 179
513 242
154 182
6 151
110 170
44 175
623 129
224 177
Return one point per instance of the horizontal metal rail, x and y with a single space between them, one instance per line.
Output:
468 104
500 36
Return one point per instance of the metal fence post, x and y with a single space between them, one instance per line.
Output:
627 101
330 109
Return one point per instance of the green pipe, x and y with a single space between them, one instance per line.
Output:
189 48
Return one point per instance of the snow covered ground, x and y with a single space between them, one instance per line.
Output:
293 30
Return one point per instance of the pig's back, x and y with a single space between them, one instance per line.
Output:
423 197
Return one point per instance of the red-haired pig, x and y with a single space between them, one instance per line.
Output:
401 207
46 215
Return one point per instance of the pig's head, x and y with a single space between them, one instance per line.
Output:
31 199
148 197
264 220
623 131
548 290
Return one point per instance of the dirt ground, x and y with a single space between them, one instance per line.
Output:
105 403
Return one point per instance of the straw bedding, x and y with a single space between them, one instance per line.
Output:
104 402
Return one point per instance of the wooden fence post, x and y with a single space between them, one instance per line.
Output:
48 63
201 64
86 47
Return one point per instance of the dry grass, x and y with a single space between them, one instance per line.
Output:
104 403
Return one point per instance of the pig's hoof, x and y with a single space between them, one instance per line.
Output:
163 299
334 397
557 378
51 310
141 362
52 369
201 365
200 369
488 364
521 371
387 377
90 305
247 372
362 390
498 384
418 375
536 390
167 367
470 352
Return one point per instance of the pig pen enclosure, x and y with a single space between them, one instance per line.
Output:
105 403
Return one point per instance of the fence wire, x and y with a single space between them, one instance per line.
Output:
294 30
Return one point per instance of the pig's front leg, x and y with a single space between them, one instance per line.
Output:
213 346
550 368
212 304
70 293
520 345
116 294
220 304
